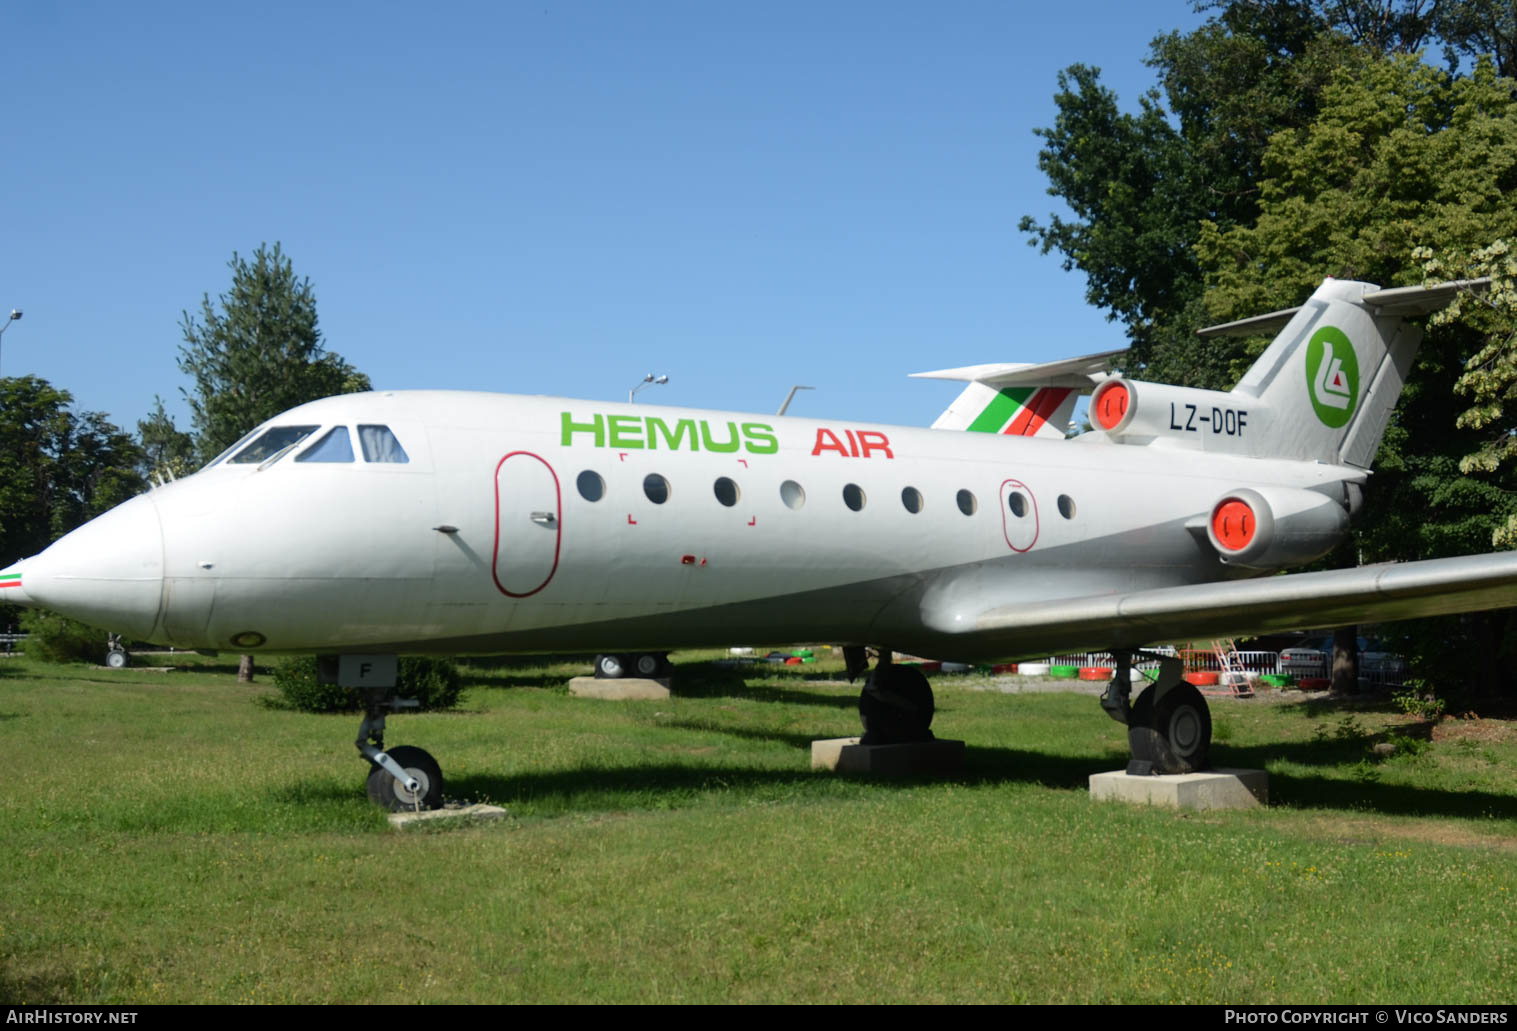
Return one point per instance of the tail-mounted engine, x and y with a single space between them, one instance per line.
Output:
1134 412
1273 527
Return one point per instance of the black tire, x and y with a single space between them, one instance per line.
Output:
896 706
610 667
385 790
648 664
117 659
1173 733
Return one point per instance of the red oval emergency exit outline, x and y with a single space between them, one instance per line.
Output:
1037 527
558 526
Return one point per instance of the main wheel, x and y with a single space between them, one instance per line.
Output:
392 794
116 659
1173 733
647 664
611 666
896 706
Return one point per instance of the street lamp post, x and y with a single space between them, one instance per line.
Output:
648 381
15 314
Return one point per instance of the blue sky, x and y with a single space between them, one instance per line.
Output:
554 198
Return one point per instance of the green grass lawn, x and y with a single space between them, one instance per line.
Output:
168 837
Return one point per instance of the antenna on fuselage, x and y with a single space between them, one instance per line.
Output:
791 397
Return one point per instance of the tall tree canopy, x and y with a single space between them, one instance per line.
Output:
260 354
1306 138
58 468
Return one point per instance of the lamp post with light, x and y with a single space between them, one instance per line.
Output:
15 314
648 381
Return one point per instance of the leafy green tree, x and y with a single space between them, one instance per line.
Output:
259 354
167 451
1490 375
58 468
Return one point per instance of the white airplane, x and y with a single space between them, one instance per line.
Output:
371 525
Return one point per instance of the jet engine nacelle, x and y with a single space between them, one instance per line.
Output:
1131 411
1272 527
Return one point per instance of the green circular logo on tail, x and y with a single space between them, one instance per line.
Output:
1332 376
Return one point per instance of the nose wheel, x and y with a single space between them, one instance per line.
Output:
399 796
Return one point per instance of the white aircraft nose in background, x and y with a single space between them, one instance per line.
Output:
108 573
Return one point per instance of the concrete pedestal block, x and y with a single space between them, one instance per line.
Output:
846 755
450 812
1213 789
620 690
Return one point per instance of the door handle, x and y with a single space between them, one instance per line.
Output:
544 518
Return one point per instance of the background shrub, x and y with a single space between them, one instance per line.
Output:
56 638
435 682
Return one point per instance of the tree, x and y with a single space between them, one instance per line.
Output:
58 469
167 451
259 355
1403 159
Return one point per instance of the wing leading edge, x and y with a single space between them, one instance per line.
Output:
1338 597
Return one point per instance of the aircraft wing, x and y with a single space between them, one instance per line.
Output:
1237 608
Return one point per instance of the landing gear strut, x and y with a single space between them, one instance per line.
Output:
1168 726
406 778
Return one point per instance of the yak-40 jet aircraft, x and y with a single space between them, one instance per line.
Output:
371 525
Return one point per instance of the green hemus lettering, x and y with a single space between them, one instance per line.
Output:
726 447
683 426
761 438
624 430
597 427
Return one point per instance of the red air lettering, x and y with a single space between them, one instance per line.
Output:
861 443
826 440
869 441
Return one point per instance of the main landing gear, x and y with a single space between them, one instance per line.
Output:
896 704
1168 726
648 665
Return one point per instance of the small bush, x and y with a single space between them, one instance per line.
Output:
434 682
56 638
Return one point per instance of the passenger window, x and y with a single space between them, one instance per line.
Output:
853 497
912 499
726 491
380 445
967 503
273 443
334 447
591 486
656 487
1066 506
1017 503
792 494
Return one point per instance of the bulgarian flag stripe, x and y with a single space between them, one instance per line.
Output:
996 414
1032 417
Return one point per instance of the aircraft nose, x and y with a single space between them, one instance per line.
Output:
108 573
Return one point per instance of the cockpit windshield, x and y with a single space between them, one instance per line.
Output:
272 443
334 447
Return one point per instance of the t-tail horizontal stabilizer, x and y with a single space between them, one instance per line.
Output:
1020 400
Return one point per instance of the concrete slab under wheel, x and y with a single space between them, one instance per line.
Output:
455 812
620 689
846 755
1211 789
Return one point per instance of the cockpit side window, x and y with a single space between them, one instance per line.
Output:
335 446
380 445
273 443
